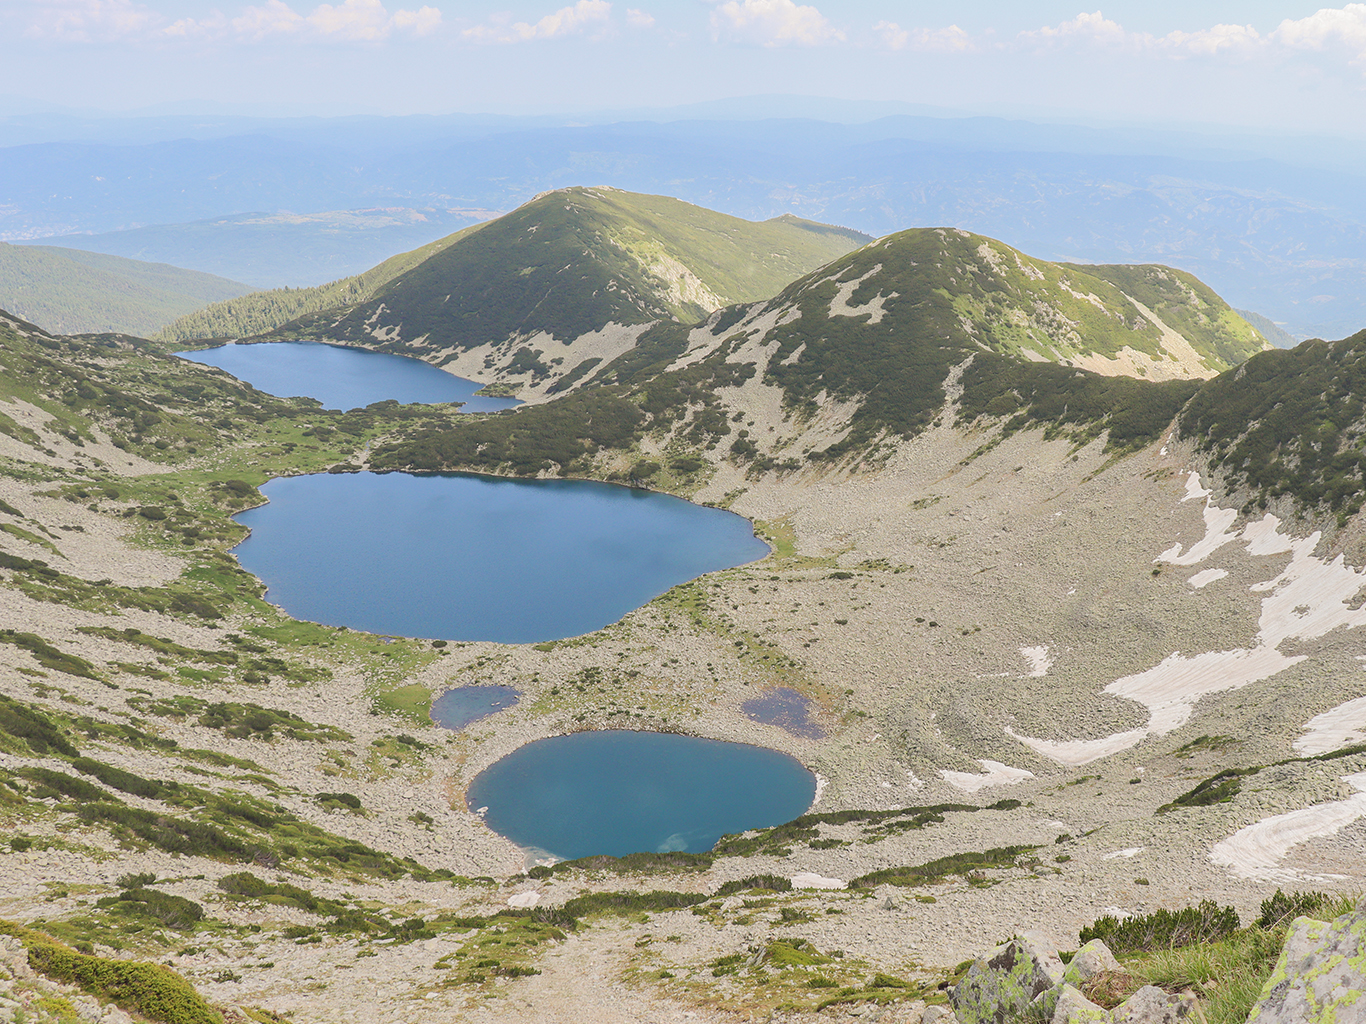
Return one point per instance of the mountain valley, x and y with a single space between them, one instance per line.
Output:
1066 562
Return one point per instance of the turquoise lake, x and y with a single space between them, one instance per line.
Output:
617 792
341 377
466 557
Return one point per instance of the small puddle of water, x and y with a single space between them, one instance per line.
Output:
463 705
787 709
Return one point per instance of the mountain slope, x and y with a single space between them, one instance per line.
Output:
72 292
869 349
260 312
566 264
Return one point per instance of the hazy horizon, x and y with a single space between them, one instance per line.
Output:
1254 66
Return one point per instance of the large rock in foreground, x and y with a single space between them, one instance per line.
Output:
1321 976
1001 986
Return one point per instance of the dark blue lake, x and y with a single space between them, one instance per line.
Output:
616 792
341 377
465 557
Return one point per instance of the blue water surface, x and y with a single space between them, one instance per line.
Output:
466 557
786 708
341 377
463 705
617 792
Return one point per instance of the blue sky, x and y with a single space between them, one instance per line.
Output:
1274 66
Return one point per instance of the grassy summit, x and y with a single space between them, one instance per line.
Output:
567 263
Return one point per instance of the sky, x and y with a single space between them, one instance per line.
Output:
1269 66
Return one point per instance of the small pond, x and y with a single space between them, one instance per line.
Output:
342 377
617 792
787 709
465 557
464 705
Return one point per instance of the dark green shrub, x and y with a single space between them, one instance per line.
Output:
36 729
1164 929
954 864
1283 907
50 783
339 800
48 656
174 835
119 779
148 989
172 911
773 883
1218 789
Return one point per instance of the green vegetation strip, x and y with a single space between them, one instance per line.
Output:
153 991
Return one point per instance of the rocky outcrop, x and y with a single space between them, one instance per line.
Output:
1321 975
1025 980
1003 984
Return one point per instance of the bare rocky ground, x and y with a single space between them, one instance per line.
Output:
905 602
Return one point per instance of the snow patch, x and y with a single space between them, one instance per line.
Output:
1132 851
1336 728
1039 661
1205 577
524 900
997 774
1257 850
1310 597
809 880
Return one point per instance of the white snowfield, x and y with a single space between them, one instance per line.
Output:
810 880
1256 851
1039 660
1308 599
1337 727
997 774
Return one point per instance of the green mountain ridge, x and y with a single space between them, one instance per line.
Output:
70 291
877 339
567 263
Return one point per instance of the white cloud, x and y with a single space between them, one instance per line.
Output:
83 20
1211 41
420 22
1342 26
566 21
274 18
774 23
1084 27
349 21
639 19
1096 29
938 40
354 19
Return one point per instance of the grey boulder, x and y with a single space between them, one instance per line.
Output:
1321 975
1000 986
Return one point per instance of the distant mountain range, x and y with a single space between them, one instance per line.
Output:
1273 230
68 291
275 250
